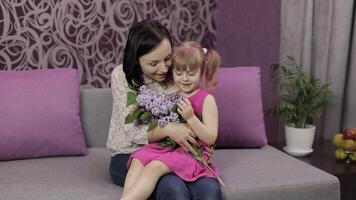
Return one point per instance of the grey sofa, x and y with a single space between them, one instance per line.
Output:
249 174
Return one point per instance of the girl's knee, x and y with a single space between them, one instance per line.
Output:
135 161
157 166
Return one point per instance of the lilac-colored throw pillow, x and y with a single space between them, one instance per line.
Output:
238 95
39 114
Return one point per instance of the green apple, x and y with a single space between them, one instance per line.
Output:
349 144
340 154
353 156
338 140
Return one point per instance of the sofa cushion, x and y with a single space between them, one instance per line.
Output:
252 174
267 173
239 100
40 114
59 178
96 107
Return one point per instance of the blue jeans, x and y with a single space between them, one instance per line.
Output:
172 187
169 186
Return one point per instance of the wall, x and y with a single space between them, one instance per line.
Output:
248 34
90 35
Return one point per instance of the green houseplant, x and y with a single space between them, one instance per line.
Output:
302 98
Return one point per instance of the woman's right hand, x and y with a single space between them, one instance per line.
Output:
181 134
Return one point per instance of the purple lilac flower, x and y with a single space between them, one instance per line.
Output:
174 97
172 117
160 107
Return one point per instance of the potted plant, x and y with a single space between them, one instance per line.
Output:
302 98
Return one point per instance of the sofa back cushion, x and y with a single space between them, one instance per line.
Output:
39 111
96 107
239 100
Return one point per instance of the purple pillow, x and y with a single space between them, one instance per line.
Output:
39 114
238 95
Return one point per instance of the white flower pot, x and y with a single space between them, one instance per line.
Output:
299 140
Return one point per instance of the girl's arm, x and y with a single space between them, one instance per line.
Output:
207 129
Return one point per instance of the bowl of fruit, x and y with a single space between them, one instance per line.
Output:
345 144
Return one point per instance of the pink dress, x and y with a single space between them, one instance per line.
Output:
178 160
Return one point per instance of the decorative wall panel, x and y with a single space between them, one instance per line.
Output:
90 35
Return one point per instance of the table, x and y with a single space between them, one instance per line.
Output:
323 158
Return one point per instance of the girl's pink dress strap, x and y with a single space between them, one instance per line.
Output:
197 100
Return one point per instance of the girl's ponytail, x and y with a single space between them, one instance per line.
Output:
211 64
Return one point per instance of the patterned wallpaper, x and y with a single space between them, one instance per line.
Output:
90 35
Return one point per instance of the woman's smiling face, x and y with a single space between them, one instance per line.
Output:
155 64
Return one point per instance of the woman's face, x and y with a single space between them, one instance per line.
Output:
155 64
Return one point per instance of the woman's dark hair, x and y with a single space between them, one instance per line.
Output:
143 37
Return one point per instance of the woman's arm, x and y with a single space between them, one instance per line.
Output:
119 131
157 134
179 133
206 130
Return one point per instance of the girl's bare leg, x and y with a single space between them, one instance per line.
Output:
133 174
147 181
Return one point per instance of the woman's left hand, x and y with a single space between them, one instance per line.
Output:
192 133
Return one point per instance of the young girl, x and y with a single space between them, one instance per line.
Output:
190 65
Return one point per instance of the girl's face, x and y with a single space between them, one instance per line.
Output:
155 63
188 81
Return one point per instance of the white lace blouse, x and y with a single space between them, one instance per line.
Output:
126 138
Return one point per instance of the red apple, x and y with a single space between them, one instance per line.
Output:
349 133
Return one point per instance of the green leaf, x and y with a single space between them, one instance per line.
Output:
131 98
168 142
274 67
153 124
135 115
290 58
146 115
129 119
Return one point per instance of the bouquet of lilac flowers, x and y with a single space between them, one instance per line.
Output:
154 109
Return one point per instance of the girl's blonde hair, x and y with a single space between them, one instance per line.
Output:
191 56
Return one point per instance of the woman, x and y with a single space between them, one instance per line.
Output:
146 61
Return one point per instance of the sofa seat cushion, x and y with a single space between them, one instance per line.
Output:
249 174
59 178
270 174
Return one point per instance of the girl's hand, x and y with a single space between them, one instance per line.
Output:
181 135
185 109
208 151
